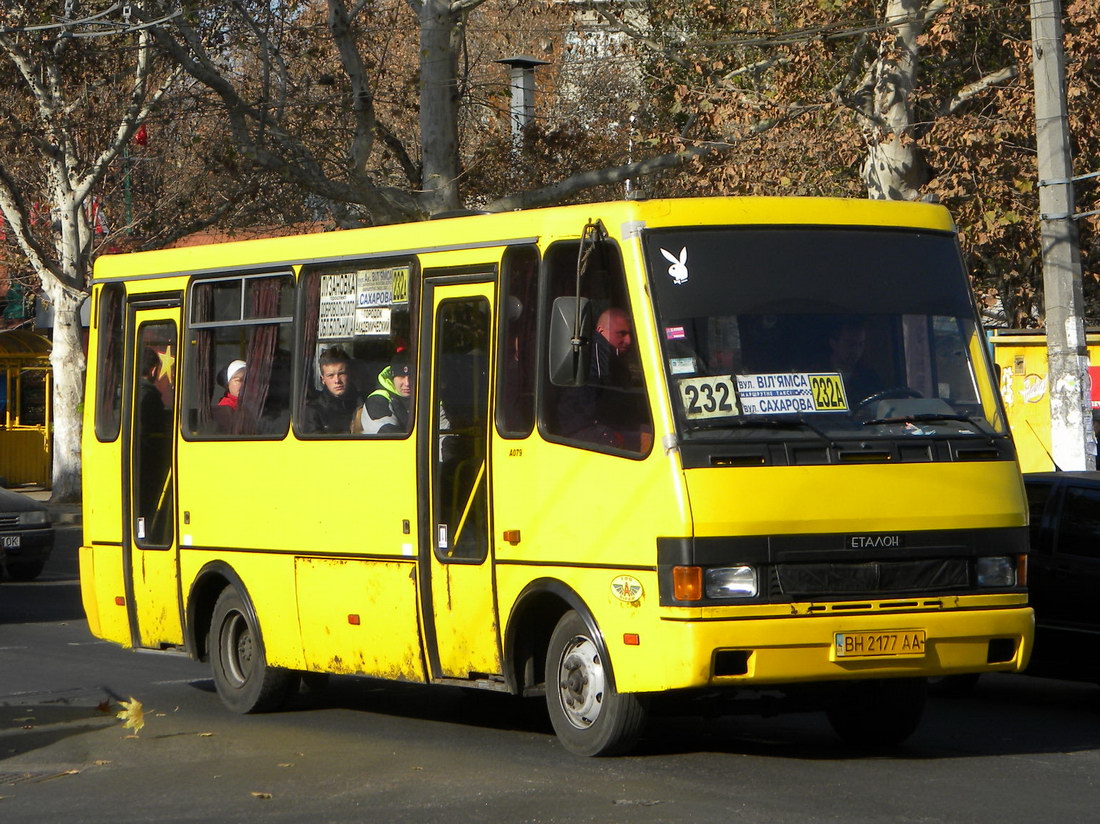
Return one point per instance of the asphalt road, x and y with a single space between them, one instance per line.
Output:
1019 750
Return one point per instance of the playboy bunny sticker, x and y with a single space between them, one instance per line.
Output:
678 271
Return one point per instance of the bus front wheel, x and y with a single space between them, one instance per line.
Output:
589 716
877 713
242 676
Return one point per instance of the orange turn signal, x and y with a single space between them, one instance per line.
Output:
687 583
1021 570
631 639
353 619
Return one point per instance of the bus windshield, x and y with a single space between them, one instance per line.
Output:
774 333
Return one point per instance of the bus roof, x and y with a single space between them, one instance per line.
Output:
621 218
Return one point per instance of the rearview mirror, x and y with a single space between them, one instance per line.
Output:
570 353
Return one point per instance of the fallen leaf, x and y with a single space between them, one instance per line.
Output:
206 734
261 795
132 714
286 764
101 762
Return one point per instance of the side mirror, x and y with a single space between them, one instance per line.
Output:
568 360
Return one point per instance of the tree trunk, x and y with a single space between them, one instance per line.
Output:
439 104
894 168
68 362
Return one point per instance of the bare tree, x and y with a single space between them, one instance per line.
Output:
47 65
363 188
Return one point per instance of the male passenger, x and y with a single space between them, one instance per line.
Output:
331 412
387 409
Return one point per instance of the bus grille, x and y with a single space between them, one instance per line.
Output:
871 578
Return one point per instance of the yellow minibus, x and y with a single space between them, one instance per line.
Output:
619 456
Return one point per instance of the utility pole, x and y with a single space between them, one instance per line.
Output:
1073 445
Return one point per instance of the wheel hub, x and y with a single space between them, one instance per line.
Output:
581 682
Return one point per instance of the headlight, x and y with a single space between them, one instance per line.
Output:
34 518
731 582
996 572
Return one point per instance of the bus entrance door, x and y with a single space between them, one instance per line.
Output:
152 575
454 425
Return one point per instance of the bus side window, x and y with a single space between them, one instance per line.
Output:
108 414
610 411
355 322
225 342
516 385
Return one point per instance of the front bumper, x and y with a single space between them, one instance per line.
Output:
802 648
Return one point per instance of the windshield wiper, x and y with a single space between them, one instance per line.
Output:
925 417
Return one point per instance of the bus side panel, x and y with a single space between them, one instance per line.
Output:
101 571
358 617
279 502
101 587
574 505
268 581
590 521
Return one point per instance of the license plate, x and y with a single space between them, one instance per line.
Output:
10 541
897 644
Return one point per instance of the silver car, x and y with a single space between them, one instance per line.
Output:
26 535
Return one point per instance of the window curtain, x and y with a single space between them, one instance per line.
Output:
263 298
310 318
203 366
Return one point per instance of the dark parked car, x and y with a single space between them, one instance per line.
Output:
26 535
1064 573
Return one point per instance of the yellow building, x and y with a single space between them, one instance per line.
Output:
25 389
1021 360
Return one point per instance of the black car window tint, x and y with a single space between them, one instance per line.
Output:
1037 496
1079 531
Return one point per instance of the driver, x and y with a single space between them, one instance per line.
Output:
847 342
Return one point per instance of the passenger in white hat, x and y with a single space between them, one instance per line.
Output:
234 379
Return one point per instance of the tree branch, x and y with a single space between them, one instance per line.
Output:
16 212
1004 75
287 156
561 189
362 101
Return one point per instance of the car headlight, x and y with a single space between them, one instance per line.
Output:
731 582
998 571
34 518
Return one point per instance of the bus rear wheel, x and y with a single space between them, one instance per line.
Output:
877 713
242 676
589 716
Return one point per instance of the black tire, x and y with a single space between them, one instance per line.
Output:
242 676
878 713
589 716
25 570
